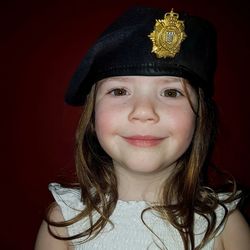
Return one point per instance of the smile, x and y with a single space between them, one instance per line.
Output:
143 141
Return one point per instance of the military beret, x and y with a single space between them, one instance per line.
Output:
149 42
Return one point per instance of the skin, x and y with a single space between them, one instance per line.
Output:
132 106
45 241
155 106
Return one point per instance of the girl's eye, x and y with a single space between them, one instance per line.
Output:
171 93
118 92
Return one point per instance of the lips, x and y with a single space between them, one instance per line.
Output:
143 140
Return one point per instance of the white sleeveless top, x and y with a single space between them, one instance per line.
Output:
129 232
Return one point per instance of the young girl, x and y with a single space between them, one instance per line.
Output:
144 143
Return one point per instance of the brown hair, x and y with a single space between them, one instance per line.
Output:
98 185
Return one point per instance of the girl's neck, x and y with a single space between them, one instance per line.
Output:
138 187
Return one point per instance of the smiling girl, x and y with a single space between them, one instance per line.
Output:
144 143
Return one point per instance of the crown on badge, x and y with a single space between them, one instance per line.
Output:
168 35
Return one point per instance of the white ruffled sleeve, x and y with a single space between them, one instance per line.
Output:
220 211
69 201
201 223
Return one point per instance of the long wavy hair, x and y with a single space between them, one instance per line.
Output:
187 183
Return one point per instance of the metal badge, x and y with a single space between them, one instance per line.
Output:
168 35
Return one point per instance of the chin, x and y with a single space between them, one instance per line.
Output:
144 168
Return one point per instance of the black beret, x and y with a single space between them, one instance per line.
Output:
125 48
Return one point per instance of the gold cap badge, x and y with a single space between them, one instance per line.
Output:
168 35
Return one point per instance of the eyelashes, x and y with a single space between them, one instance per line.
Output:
171 93
118 92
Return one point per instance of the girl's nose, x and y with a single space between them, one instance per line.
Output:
144 110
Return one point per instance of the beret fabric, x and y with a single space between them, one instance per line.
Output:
125 49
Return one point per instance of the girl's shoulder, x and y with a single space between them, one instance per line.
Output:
66 195
224 208
68 199
70 204
234 233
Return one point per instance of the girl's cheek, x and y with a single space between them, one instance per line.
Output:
183 121
104 116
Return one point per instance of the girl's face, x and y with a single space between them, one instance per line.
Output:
144 123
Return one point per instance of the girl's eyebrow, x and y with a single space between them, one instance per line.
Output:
172 80
113 79
118 79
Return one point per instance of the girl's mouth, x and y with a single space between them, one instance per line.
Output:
143 140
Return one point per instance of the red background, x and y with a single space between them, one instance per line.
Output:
42 43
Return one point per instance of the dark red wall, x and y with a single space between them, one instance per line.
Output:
42 42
